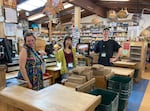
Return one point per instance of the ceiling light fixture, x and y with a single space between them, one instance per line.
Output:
36 16
30 5
67 5
115 0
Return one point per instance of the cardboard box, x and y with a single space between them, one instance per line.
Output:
77 79
100 82
88 74
98 72
87 86
71 84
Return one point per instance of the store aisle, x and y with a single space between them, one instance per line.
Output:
146 99
145 105
137 95
140 97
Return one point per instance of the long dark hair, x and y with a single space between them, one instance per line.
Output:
66 38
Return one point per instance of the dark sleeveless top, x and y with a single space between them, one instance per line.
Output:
68 57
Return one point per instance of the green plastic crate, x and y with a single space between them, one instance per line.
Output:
122 104
120 83
109 100
136 71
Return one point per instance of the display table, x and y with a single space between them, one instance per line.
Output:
122 71
53 98
125 64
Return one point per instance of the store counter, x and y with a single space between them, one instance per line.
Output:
122 71
53 98
127 64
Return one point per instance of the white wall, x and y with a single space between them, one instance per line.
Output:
144 22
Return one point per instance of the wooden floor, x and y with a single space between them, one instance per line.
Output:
146 100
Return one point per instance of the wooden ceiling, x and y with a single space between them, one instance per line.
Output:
98 7
133 6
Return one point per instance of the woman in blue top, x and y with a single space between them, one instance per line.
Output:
30 63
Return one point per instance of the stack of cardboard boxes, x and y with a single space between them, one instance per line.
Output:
81 79
85 78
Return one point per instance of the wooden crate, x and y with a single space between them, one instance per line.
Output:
40 44
2 35
2 76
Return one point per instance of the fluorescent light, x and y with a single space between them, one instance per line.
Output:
30 5
67 5
37 3
36 16
116 0
26 6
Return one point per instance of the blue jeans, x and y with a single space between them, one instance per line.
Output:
65 76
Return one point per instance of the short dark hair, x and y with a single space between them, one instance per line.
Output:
28 33
106 29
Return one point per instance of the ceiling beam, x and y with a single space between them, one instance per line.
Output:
63 18
20 1
86 13
88 5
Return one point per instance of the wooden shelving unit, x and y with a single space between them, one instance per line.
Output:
120 29
135 53
138 55
89 33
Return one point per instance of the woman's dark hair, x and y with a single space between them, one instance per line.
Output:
28 33
66 38
106 29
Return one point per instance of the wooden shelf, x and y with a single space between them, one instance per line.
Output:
136 48
135 59
138 54
59 32
134 53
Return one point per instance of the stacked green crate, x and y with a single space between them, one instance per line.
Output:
122 85
109 100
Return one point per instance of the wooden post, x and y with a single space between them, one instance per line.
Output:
77 17
50 29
